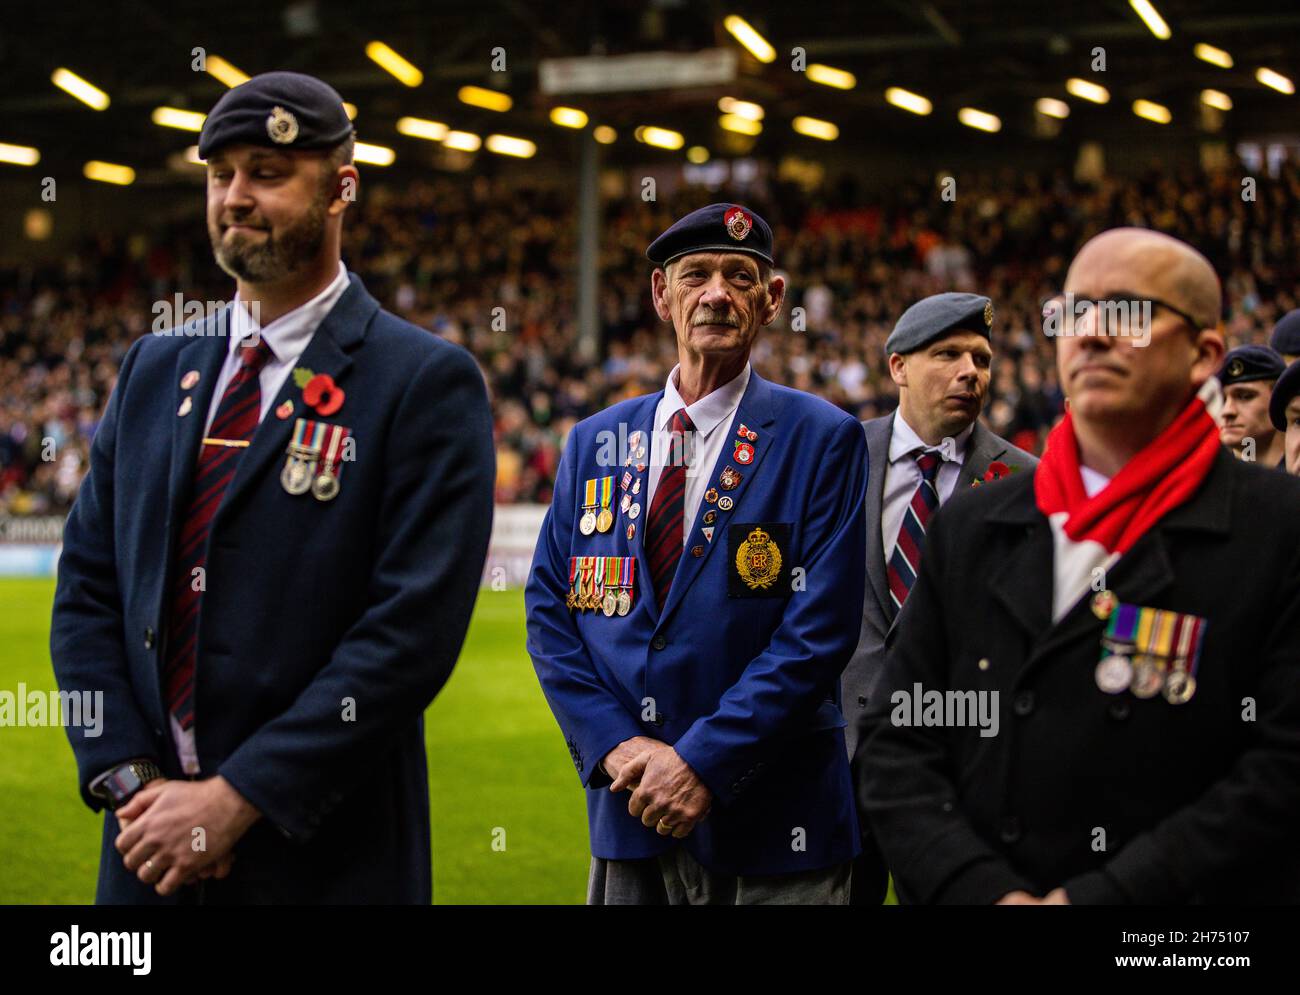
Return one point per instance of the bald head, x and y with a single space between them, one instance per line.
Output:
1150 263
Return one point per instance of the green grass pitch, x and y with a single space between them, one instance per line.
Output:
497 761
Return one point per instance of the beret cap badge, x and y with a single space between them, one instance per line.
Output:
281 126
1235 368
738 223
988 314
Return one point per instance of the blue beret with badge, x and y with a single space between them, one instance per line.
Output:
1287 387
1250 362
716 228
937 315
1286 334
279 110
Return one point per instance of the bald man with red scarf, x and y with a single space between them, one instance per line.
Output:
1129 613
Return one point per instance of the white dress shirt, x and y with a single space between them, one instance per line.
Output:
903 476
287 336
1093 482
711 415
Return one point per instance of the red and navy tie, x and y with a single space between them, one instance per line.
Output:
906 559
664 537
235 421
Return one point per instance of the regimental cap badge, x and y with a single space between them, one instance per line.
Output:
738 223
1236 368
988 314
281 126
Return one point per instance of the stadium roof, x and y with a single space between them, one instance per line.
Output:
996 58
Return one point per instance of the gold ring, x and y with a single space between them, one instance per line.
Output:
149 864
664 824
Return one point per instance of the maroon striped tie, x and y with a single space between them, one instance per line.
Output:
663 541
236 420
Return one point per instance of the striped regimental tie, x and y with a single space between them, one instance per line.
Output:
906 559
236 420
664 536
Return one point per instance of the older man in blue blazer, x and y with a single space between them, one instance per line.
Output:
694 596
270 566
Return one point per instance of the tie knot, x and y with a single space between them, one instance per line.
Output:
681 421
929 464
255 354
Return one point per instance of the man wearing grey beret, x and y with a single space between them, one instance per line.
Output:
929 448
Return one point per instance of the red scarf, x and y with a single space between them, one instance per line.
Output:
1167 472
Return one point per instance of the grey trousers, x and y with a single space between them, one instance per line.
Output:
677 878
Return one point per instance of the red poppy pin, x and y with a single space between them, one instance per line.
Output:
996 471
319 391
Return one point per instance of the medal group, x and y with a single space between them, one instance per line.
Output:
607 583
1148 651
304 468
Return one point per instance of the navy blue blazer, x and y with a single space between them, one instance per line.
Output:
742 680
365 597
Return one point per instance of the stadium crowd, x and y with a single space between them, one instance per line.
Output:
448 253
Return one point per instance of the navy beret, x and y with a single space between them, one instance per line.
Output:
278 110
1286 334
1287 387
716 228
933 316
1250 362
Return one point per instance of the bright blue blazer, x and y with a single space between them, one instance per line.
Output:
743 682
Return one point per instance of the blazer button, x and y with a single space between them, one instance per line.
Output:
1119 710
862 700
1010 829
658 720
1023 704
659 642
148 637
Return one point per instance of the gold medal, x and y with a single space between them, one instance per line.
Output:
1148 677
605 520
325 487
1179 687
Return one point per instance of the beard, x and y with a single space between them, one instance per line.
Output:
275 256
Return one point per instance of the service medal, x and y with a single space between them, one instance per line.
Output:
1114 674
1179 687
588 524
624 602
1148 677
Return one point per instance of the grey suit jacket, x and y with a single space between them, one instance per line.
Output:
878 614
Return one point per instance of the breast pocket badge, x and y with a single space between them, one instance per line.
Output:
758 560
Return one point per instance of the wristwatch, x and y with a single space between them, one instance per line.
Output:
116 786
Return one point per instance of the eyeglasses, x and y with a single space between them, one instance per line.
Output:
1120 315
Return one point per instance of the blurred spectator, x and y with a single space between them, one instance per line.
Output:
489 264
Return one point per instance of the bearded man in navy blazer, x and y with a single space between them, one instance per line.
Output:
695 594
270 566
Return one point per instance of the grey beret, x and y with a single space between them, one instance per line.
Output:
1286 334
932 317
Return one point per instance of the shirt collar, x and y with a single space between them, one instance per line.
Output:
709 410
289 334
904 441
